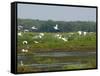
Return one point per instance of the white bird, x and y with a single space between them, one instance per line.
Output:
56 27
20 27
42 34
60 37
57 35
36 42
37 36
23 50
26 30
84 33
21 63
64 39
80 32
25 42
34 28
19 34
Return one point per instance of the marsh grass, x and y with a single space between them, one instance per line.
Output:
49 42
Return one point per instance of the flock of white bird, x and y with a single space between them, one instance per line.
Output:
82 33
59 36
41 35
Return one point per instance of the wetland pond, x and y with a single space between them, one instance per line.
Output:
46 61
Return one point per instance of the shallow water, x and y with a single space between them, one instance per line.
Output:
58 55
52 65
62 54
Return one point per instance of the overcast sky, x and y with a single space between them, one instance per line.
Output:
57 13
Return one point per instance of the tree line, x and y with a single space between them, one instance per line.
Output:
64 26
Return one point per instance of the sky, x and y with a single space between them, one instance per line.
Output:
57 13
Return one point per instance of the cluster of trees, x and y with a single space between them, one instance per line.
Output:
64 26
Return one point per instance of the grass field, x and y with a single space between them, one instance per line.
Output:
49 43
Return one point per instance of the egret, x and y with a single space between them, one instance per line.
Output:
57 35
56 27
64 39
42 34
20 27
23 50
26 30
34 28
19 34
84 33
36 42
35 37
80 32
60 37
39 36
21 63
25 42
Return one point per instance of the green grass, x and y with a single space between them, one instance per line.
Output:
49 42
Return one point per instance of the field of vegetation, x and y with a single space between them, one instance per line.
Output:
48 45
50 42
78 52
